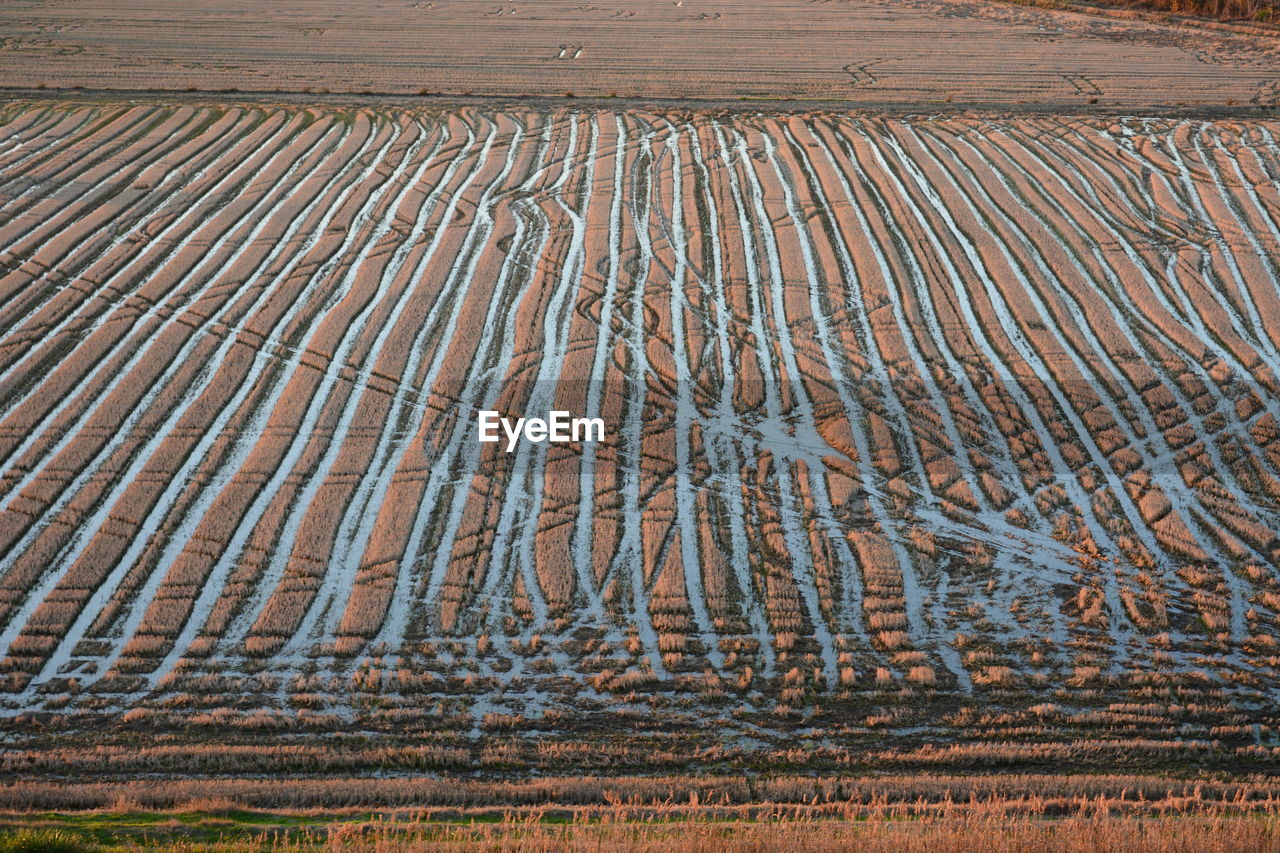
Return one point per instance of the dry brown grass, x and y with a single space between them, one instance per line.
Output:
963 832
678 829
1224 10
921 795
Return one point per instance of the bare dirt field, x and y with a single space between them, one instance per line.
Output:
868 52
954 430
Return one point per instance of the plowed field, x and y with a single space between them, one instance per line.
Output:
976 411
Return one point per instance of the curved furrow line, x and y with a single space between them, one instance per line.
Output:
722 452
1157 464
110 154
289 417
614 380
200 480
937 336
924 300
103 182
43 127
1127 318
52 217
796 541
20 119
356 525
549 529
477 388
1120 629
80 406
455 290
433 468
842 369
1268 260
79 136
835 364
1014 544
1189 317
147 532
448 465
1145 212
1121 318
451 464
87 249
630 554
116 285
161 580
88 528
121 351
685 410
556 319
852 412
504 574
265 361
348 310
511 491
117 439
581 387
1256 337
677 602
590 585
1260 330
979 202
308 523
